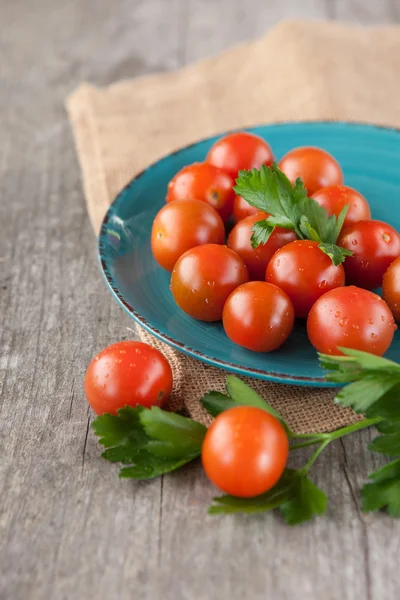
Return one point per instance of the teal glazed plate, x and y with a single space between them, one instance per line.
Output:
370 158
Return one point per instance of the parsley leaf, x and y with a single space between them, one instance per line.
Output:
384 492
295 495
269 189
151 441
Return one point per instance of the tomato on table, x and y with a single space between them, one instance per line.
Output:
258 316
257 259
127 373
350 317
304 272
335 197
375 245
242 209
245 451
204 277
181 225
202 181
391 288
241 150
316 167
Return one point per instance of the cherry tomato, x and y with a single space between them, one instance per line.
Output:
350 317
127 373
237 151
181 225
316 167
256 259
391 288
258 316
335 197
242 209
245 451
375 245
201 181
305 273
204 277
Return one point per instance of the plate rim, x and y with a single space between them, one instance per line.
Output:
274 377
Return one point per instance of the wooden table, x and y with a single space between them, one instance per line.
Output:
69 528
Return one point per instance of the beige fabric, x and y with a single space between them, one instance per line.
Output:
299 70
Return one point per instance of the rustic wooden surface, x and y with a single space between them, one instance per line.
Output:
69 528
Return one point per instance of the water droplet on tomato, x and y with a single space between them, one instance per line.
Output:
322 284
373 336
395 326
338 314
278 262
382 318
354 326
354 242
343 322
371 321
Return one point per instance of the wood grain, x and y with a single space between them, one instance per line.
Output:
68 527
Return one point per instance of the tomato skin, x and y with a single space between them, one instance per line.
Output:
316 167
258 316
181 225
305 273
241 150
391 288
127 373
204 277
257 259
202 181
245 451
335 197
350 317
375 245
242 209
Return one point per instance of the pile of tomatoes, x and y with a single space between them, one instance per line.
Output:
259 292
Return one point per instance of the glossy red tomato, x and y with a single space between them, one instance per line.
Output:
350 317
181 225
245 451
305 273
316 167
335 197
202 181
241 150
257 259
204 277
127 373
242 209
258 316
375 245
391 288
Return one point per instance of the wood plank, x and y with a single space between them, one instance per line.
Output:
68 527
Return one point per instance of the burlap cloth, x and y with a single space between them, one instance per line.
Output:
298 71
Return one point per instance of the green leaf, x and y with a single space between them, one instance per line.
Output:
335 253
308 231
388 406
151 441
383 494
259 187
386 444
389 471
306 501
340 220
244 395
261 232
362 394
295 495
216 402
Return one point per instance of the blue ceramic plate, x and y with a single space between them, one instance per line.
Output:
370 158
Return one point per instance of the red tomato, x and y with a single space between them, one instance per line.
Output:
245 451
305 273
237 151
375 245
242 209
335 197
181 225
350 317
316 167
391 288
204 277
256 259
258 316
127 373
201 181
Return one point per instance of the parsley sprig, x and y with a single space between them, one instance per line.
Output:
270 190
152 442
